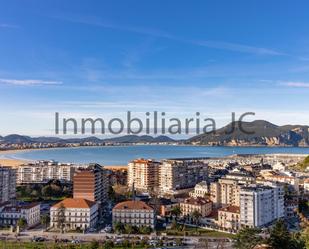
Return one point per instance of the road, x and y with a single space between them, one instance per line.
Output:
204 242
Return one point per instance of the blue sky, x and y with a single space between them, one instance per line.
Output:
103 58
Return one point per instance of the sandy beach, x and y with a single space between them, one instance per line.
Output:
11 162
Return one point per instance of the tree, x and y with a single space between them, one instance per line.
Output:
128 229
247 238
279 236
47 191
196 215
94 245
176 212
22 223
45 219
118 227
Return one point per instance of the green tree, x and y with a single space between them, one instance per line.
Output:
47 191
196 216
279 236
176 212
94 245
22 223
45 219
118 227
247 238
128 229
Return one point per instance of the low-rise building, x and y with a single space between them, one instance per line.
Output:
73 214
202 205
200 190
229 218
10 214
134 213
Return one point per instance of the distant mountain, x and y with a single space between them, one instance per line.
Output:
139 139
19 139
265 133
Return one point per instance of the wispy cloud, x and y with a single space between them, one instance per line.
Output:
29 82
6 25
229 46
295 84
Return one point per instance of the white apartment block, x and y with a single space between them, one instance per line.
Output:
44 171
261 205
7 184
10 214
200 190
178 174
134 213
72 214
144 174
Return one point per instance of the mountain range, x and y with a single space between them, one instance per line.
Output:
264 134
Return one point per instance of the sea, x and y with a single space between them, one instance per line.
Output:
121 155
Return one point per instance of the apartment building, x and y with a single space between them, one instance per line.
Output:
7 184
200 190
73 214
44 171
229 189
134 213
144 174
261 204
91 183
229 218
225 192
202 205
178 174
289 180
215 193
10 214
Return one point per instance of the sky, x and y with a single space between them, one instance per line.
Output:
104 58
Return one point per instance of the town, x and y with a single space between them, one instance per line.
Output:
179 202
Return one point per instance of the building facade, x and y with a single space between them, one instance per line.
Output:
7 184
202 205
10 214
229 218
91 183
180 174
261 205
73 214
134 213
200 190
144 174
44 171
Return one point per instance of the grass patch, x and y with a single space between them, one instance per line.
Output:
192 231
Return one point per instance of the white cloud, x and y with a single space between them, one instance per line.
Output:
29 82
295 84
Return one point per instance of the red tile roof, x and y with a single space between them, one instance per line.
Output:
231 209
132 205
197 201
75 203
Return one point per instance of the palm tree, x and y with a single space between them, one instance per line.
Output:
176 212
22 223
196 215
